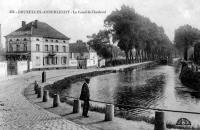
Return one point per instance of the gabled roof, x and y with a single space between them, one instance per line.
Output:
39 29
80 48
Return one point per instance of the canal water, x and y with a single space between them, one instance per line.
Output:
157 87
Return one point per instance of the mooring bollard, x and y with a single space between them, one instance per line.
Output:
109 113
36 87
160 121
45 96
43 76
76 106
56 100
39 92
35 84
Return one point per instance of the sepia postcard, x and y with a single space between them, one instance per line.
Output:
99 65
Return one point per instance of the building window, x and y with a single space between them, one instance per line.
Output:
64 41
55 60
11 48
46 40
49 60
57 48
17 40
51 40
64 48
46 48
64 60
46 61
51 48
25 47
18 47
37 47
57 41
37 39
25 39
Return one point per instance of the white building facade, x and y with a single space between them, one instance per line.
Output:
40 45
85 56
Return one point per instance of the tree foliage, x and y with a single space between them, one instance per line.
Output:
101 44
185 37
132 30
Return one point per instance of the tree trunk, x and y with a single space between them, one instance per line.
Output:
136 56
126 53
185 53
131 56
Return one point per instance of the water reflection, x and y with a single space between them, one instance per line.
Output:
157 87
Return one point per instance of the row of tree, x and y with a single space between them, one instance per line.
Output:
138 37
185 37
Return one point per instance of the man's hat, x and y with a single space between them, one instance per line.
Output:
87 80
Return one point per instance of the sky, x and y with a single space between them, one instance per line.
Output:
170 14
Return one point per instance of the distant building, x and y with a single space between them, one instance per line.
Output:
39 44
2 55
84 54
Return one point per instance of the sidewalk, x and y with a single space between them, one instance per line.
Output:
17 113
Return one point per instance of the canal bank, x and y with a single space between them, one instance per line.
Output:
136 92
96 120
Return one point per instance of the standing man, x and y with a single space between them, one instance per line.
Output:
85 96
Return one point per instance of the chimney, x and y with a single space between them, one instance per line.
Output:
36 23
23 23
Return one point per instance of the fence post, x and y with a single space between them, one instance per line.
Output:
39 92
56 100
43 76
45 95
160 121
76 106
109 113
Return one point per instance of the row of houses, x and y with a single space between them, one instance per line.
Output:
40 46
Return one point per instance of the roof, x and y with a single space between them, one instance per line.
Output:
80 48
38 29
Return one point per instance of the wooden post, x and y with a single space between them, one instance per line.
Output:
45 96
160 121
76 106
109 113
39 92
56 100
